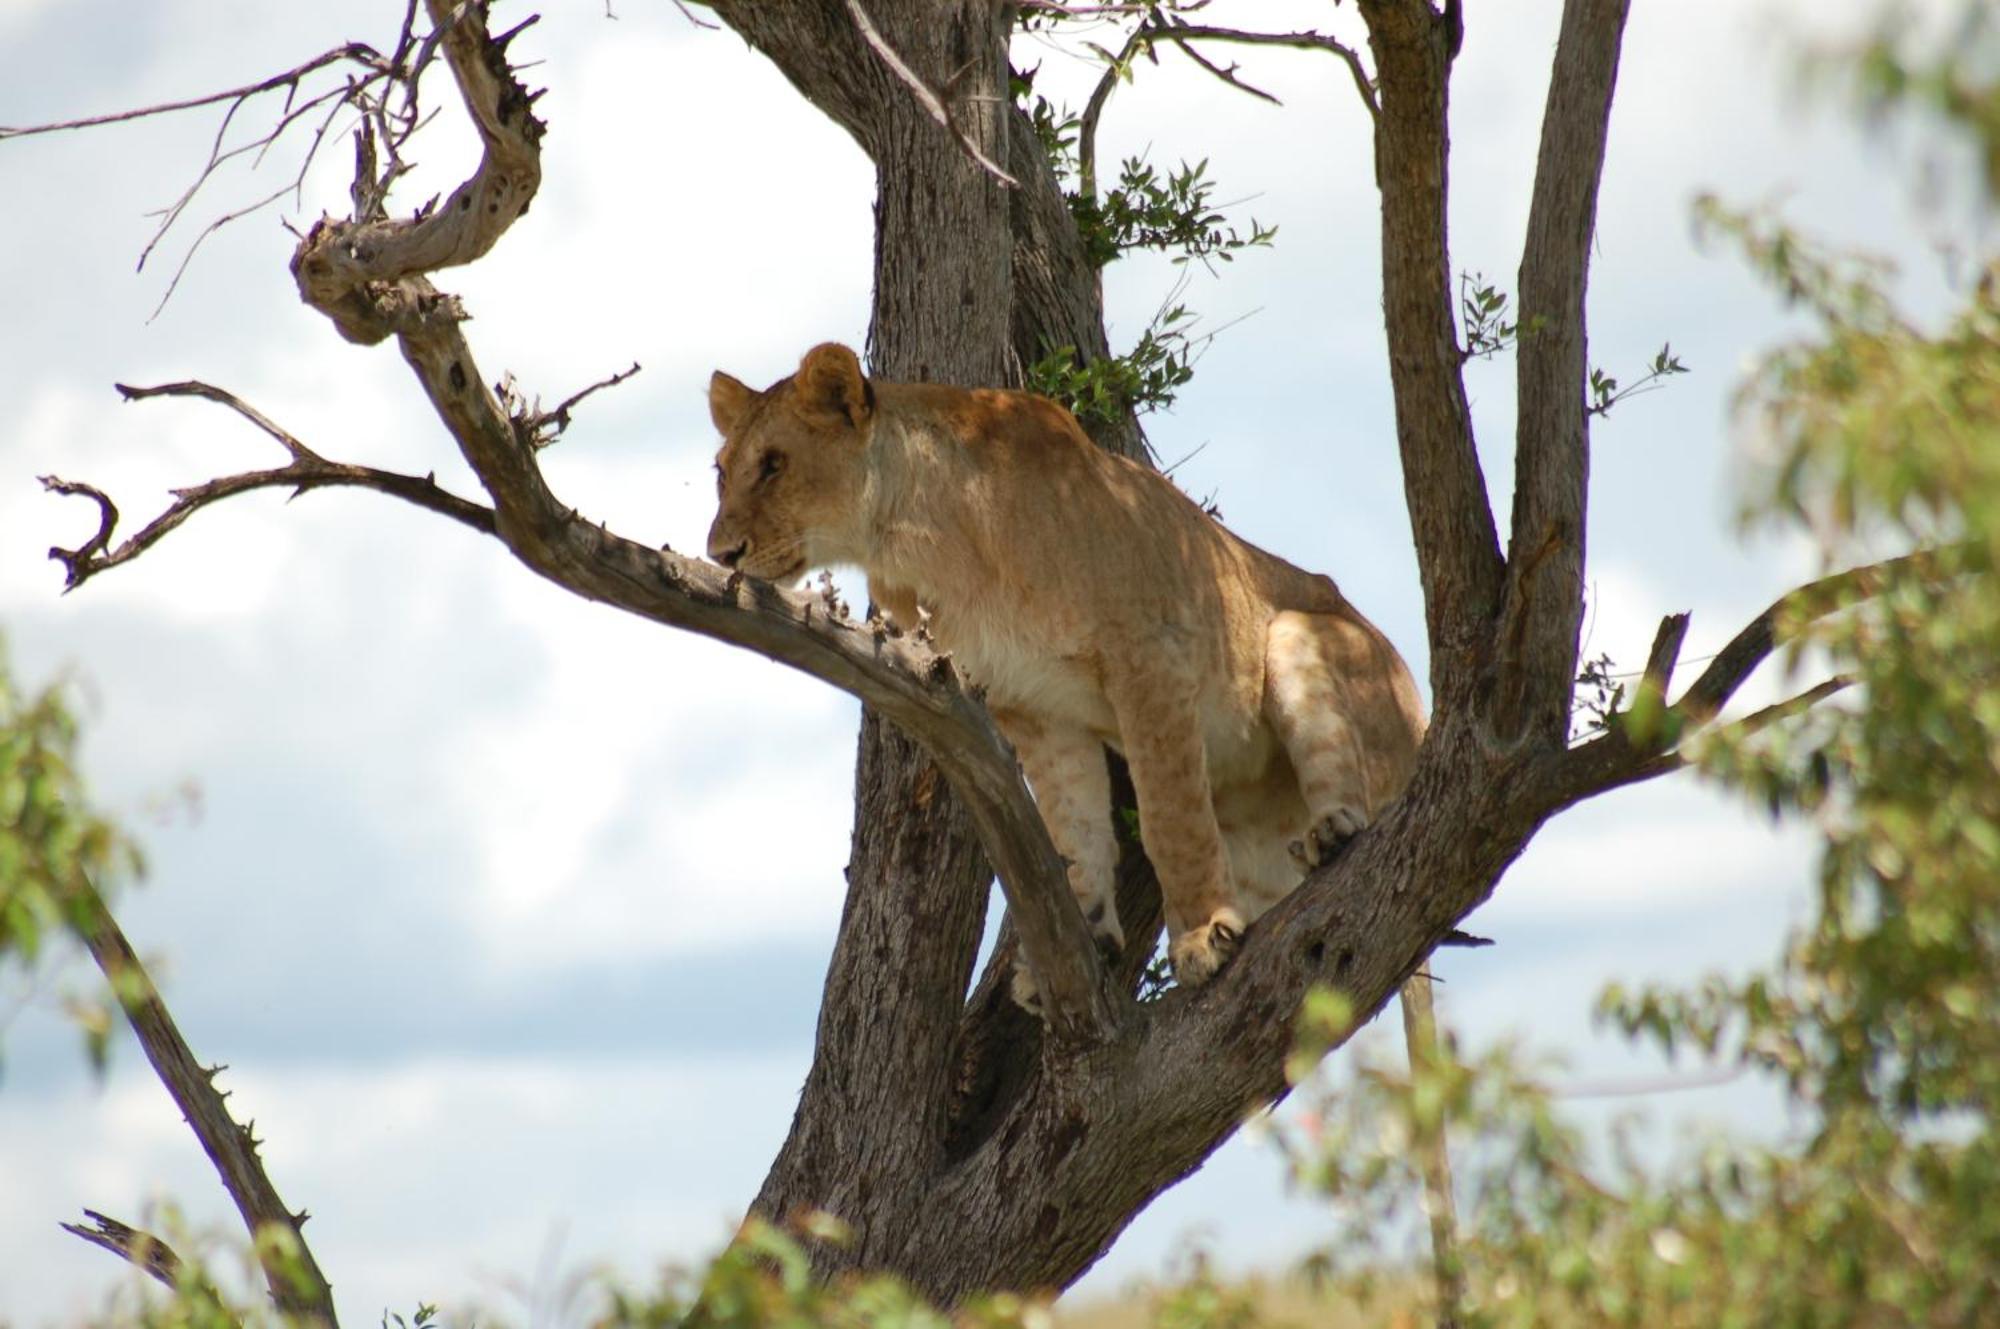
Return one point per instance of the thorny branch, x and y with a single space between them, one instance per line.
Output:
142 1250
294 1279
541 427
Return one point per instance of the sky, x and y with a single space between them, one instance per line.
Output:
507 913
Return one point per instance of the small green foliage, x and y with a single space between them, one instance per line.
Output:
1175 214
425 1317
1172 212
1482 312
1599 694
1606 392
1143 379
764 1280
50 836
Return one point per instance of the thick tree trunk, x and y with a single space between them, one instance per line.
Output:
870 1131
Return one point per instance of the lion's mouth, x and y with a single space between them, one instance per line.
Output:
782 573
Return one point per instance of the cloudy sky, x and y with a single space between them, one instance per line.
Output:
509 914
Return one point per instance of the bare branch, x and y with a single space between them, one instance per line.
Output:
294 1279
358 52
1610 773
141 1249
1182 34
1735 662
544 427
1665 654
933 105
1619 757
307 471
1227 73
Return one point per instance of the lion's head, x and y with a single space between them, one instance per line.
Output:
789 475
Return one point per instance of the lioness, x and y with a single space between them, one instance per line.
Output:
1264 719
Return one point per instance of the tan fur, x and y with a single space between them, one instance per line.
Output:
1263 718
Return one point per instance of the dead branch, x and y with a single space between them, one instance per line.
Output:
359 92
1184 34
294 1279
1227 73
544 427
142 1250
933 105
306 471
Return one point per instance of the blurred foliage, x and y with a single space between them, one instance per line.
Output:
1876 433
50 838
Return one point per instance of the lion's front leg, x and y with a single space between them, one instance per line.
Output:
1159 723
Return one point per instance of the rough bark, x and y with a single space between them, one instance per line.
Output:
1545 552
1458 549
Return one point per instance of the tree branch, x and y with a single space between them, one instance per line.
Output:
1451 518
306 471
1619 757
1545 551
1182 34
142 1250
294 1279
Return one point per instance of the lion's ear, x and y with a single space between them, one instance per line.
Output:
728 402
830 379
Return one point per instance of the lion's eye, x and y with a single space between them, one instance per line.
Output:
771 465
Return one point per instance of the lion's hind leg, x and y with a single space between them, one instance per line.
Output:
1306 706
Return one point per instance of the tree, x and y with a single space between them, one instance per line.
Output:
966 1106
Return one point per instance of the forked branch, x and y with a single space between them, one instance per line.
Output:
1627 754
306 471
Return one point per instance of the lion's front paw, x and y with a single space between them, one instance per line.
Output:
1328 836
1105 930
1197 953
